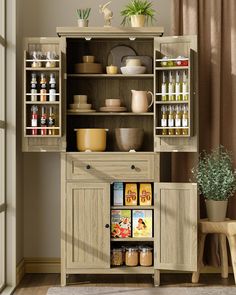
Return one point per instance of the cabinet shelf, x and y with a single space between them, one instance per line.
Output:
171 59
42 69
42 102
42 60
132 239
129 269
176 68
131 207
109 114
38 94
172 102
119 76
174 93
172 127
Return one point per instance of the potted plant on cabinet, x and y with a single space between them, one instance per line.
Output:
83 15
216 181
138 12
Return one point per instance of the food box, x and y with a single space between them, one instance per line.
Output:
142 224
120 223
145 194
131 194
118 194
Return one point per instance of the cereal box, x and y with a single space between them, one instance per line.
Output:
131 194
145 194
120 223
142 223
118 194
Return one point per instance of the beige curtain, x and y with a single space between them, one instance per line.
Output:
214 21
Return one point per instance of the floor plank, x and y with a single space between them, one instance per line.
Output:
38 284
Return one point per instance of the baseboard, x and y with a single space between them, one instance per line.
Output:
42 265
20 271
53 265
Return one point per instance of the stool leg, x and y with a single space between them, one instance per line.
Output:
196 274
232 246
223 256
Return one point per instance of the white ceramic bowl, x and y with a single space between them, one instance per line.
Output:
82 106
133 70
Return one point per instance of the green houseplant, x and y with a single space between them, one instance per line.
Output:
216 181
83 15
138 12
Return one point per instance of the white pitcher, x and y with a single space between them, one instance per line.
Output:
139 102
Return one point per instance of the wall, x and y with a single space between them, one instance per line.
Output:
42 171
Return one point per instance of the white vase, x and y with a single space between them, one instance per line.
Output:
83 22
138 20
216 210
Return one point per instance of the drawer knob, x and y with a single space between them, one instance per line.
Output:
132 167
88 167
107 225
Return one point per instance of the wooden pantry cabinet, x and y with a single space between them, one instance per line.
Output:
87 178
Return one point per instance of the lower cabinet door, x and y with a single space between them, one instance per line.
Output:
176 206
88 225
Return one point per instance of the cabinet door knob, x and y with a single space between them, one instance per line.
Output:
107 225
132 167
88 167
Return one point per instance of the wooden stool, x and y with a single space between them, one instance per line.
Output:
224 229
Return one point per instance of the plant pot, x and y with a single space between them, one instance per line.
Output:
138 20
83 22
216 210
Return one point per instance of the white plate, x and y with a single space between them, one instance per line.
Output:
117 53
113 109
80 111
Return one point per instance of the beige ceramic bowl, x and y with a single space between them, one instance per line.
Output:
88 68
112 102
129 138
93 139
112 70
133 62
82 106
88 58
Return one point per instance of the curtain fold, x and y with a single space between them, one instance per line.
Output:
214 22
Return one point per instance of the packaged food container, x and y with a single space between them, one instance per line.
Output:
131 194
131 256
145 194
117 256
145 256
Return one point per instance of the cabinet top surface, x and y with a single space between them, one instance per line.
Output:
144 32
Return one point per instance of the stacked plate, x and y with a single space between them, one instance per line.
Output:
80 105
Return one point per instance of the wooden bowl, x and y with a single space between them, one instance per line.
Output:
91 139
129 138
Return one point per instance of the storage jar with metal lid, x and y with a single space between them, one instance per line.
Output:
131 256
117 256
145 256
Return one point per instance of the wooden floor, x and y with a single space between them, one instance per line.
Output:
38 284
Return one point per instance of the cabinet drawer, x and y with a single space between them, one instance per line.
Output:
110 167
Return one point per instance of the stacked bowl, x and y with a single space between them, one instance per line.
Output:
133 67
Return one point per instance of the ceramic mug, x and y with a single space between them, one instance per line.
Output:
81 98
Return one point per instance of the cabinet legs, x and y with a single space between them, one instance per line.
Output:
223 256
156 278
63 279
232 246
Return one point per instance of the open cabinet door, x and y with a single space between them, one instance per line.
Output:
176 226
176 95
43 95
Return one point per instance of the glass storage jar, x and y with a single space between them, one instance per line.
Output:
131 256
116 256
145 256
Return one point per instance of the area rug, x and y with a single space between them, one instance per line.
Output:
142 291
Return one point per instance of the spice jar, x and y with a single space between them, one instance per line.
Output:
116 256
145 256
131 256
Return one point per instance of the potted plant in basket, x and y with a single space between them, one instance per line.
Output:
138 12
216 181
83 15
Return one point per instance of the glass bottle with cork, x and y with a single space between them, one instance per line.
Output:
52 90
51 122
43 121
171 87
185 120
34 119
178 87
171 120
43 88
163 88
178 119
185 85
33 84
164 118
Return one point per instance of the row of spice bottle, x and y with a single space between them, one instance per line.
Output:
44 87
43 120
43 59
174 88
174 116
132 256
180 61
